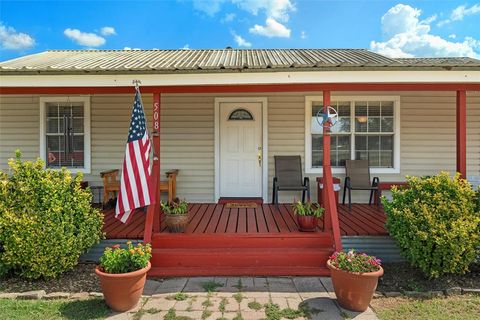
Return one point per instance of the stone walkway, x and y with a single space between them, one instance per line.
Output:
246 298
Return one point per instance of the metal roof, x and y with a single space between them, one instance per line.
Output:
224 60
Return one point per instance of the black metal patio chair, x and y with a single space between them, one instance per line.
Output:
288 177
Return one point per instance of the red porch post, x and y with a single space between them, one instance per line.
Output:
462 133
331 214
152 221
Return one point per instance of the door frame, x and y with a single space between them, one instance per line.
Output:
264 102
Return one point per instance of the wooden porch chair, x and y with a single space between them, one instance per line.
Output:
170 185
111 186
288 177
358 178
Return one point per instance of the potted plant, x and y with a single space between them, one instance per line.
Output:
307 215
176 215
354 277
122 273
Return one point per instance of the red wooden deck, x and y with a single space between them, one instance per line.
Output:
364 220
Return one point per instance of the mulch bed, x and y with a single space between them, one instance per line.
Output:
403 277
81 279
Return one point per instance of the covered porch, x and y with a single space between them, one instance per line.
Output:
218 219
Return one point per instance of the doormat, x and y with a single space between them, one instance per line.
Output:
241 205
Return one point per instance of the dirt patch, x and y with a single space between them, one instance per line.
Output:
81 279
403 277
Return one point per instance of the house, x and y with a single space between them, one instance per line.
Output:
408 116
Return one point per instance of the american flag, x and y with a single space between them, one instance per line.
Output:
135 180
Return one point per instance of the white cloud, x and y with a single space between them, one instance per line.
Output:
303 35
276 9
459 13
452 36
84 38
210 7
241 42
12 40
129 48
229 17
186 47
271 29
407 36
107 31
462 11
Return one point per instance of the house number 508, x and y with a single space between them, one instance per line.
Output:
156 116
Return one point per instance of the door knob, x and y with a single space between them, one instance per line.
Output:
259 157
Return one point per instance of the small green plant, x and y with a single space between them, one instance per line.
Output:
211 286
352 261
255 305
238 296
436 223
273 312
176 207
307 209
239 285
179 296
222 305
206 314
238 317
46 220
122 260
207 303
172 315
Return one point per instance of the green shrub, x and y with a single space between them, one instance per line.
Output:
46 221
435 223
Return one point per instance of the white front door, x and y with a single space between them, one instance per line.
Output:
241 149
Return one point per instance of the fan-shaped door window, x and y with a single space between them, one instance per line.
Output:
240 114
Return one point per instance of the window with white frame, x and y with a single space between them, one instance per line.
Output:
65 132
366 129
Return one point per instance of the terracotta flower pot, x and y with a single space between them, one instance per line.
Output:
307 223
354 290
176 223
122 291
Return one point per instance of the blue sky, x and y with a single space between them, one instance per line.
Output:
393 28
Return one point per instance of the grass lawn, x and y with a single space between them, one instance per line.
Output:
56 309
463 307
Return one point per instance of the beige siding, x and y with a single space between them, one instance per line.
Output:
187 134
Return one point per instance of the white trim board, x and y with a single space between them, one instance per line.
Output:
115 80
264 102
86 129
338 170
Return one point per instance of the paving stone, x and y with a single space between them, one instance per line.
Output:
308 284
120 316
96 294
418 294
292 295
8 295
232 305
471 291
56 295
327 283
437 293
260 284
172 285
185 305
151 287
378 295
281 285
392 294
282 302
79 295
294 302
222 280
253 315
215 315
31 295
453 291
154 316
366 315
258 294
159 303
323 308
196 284
192 314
